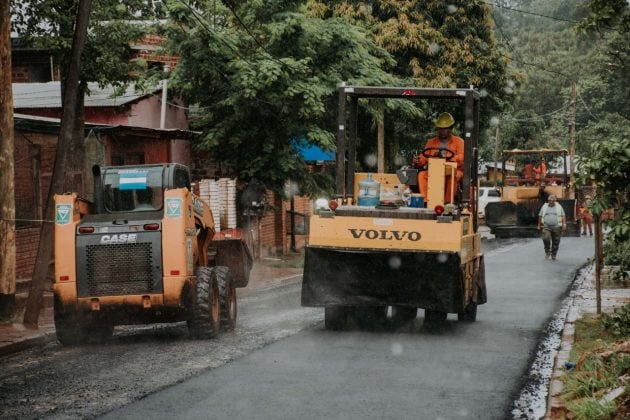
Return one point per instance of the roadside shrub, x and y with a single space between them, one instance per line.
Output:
618 253
592 409
618 322
602 364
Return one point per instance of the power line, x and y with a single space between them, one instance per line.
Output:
585 106
568 76
529 13
550 113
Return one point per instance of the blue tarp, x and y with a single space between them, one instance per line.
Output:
312 153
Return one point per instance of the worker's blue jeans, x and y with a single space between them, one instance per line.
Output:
551 239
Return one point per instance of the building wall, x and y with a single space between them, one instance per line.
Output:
20 73
276 224
26 244
147 113
111 116
179 152
34 154
129 151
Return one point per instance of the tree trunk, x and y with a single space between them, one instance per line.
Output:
67 147
7 150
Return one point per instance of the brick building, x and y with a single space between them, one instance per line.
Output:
120 129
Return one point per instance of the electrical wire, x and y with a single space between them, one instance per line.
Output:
585 106
537 118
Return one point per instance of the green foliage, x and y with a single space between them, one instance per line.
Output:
275 81
592 409
618 254
618 323
554 52
113 26
602 365
608 168
434 44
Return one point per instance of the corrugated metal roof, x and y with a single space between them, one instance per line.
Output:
48 95
52 125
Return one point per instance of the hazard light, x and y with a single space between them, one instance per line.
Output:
439 209
333 204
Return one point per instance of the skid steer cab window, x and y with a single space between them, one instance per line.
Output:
133 190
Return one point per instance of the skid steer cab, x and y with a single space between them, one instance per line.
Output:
144 251
374 255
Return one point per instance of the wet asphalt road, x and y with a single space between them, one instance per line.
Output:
462 371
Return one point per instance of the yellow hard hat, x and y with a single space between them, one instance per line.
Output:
445 120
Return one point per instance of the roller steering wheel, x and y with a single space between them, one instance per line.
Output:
445 153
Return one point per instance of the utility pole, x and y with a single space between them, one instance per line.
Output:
572 142
7 181
496 155
164 98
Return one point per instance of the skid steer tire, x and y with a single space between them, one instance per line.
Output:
205 319
227 298
68 326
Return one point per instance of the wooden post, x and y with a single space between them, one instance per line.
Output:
598 261
572 142
496 155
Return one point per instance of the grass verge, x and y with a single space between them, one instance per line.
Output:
598 386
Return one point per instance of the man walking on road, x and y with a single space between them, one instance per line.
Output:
552 221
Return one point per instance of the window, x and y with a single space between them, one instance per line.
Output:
137 189
494 193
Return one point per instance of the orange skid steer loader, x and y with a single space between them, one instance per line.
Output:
144 251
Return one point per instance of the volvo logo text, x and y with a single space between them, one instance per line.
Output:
385 234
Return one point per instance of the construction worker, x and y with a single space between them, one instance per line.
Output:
528 171
585 217
440 146
541 172
552 220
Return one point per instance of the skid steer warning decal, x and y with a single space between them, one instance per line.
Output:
174 208
62 214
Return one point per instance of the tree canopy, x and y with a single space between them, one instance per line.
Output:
265 75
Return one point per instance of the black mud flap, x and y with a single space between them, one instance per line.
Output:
428 280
